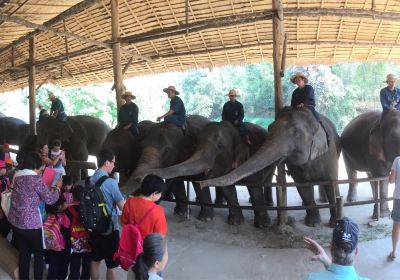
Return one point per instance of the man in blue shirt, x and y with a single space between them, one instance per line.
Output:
105 245
343 250
128 114
233 112
390 96
303 95
177 112
57 108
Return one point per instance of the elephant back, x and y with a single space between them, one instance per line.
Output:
12 130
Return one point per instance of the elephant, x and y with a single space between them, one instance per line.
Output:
126 148
164 145
81 136
220 148
297 139
371 147
13 131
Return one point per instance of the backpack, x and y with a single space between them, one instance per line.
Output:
92 210
79 235
53 238
130 243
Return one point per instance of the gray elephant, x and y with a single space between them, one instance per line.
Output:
127 148
164 145
297 139
219 149
13 131
81 136
371 148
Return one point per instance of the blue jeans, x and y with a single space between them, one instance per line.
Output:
175 120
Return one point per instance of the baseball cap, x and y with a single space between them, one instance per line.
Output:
345 234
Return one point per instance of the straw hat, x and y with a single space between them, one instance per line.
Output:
128 93
51 95
171 88
233 92
298 75
390 77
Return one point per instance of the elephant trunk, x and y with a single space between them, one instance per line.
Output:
192 166
271 151
149 159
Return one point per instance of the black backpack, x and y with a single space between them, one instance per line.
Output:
92 211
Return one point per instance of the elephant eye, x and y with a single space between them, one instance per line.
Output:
219 145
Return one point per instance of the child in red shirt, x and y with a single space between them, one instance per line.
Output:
135 207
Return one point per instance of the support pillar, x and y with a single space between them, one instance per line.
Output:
277 34
32 91
116 53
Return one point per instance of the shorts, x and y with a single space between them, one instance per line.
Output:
396 211
104 247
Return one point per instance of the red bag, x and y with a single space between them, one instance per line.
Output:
130 243
80 239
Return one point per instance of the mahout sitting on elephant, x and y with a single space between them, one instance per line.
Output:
167 144
370 150
297 139
219 149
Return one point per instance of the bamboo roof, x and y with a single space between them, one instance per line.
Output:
157 36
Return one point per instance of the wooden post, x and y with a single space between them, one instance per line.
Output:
32 93
276 53
116 53
339 207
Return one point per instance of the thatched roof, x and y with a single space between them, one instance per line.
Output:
219 32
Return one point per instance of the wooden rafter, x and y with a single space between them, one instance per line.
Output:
88 41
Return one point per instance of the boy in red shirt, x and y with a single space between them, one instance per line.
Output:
136 207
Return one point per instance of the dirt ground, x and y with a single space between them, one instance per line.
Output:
290 236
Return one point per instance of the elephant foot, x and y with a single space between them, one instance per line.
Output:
312 220
351 198
332 222
235 219
262 221
269 203
384 213
220 201
206 215
180 211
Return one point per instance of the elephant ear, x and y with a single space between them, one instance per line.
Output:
319 143
375 143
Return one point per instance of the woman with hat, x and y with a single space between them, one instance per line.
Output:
390 96
128 114
233 112
177 111
303 95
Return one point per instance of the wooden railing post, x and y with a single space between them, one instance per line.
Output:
339 207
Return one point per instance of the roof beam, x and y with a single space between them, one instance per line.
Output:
91 42
67 13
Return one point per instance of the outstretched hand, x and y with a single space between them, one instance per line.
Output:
319 252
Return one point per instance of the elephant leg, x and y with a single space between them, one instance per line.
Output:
261 217
219 197
235 214
204 196
322 194
352 175
269 200
178 189
307 195
383 193
330 193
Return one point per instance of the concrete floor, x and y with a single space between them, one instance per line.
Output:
207 260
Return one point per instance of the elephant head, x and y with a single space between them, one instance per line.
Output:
215 152
390 130
50 129
295 137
